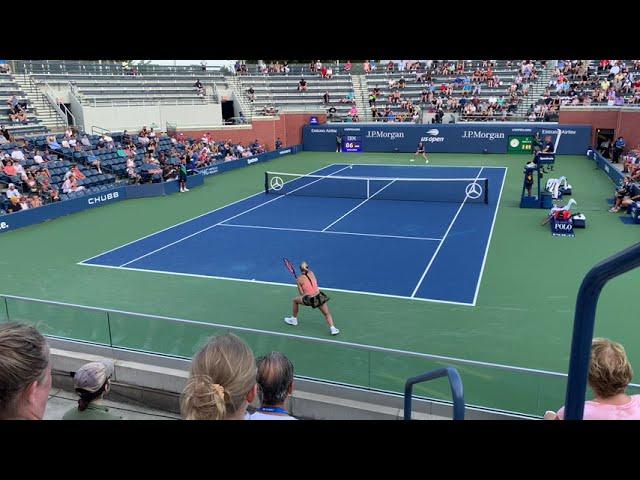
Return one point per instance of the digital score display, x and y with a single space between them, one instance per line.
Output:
520 144
352 143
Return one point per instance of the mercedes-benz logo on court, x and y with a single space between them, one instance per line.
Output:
276 183
473 190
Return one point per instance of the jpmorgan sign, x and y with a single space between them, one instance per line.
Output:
479 134
384 134
104 198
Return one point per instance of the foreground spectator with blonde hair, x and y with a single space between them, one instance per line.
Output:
609 375
222 381
25 373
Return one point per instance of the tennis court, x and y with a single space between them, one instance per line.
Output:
415 232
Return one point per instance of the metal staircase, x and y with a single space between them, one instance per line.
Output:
236 87
44 110
361 94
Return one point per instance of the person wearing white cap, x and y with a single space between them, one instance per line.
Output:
92 382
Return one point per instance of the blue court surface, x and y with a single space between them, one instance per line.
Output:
413 239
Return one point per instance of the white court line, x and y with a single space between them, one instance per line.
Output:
330 231
227 219
486 251
358 206
414 166
196 217
433 257
263 282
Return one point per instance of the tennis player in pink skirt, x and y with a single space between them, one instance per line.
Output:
311 296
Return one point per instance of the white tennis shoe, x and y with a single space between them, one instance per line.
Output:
291 320
334 331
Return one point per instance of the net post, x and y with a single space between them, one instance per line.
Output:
368 191
486 191
266 182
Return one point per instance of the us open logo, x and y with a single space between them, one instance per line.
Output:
276 183
473 190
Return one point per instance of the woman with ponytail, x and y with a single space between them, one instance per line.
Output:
222 381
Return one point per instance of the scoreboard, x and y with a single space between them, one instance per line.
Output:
352 143
520 144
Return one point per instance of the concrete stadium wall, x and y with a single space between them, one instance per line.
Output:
624 122
288 126
116 118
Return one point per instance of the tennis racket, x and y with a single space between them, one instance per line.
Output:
547 220
289 266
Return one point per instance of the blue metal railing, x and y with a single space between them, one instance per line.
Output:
455 382
584 322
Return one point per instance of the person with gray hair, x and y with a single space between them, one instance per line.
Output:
275 378
25 372
92 382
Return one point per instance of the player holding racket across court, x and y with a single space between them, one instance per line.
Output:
420 151
310 295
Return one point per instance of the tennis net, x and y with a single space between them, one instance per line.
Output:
457 190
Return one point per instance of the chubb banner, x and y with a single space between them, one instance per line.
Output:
443 138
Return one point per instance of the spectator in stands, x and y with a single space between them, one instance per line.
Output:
331 113
241 119
618 148
71 185
52 143
278 143
25 372
353 113
275 382
19 116
17 155
76 172
626 195
325 97
14 205
12 191
367 67
329 73
5 133
35 201
347 66
131 171
14 104
108 141
609 375
30 182
349 98
302 85
199 88
222 381
92 382
251 94
4 67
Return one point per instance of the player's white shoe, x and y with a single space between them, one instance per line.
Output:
291 320
412 160
334 331
186 189
426 161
